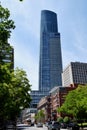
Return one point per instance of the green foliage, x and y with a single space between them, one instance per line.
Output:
66 119
14 85
40 116
76 103
60 119
22 87
14 92
6 25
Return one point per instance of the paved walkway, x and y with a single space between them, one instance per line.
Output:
83 128
71 129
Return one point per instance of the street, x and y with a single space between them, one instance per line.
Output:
33 128
38 128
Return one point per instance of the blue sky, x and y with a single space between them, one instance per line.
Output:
72 25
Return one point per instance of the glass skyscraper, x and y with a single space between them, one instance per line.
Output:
50 65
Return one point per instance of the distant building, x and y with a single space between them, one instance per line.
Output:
75 73
7 54
36 95
28 115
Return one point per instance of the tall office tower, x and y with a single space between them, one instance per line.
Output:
50 66
7 54
75 73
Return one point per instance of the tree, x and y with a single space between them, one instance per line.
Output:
76 103
66 119
40 116
14 85
19 92
14 92
4 93
60 119
6 25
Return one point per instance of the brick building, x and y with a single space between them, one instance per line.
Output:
45 105
55 99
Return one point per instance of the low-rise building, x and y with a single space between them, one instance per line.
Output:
58 95
55 99
44 104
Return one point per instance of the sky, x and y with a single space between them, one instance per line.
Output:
72 25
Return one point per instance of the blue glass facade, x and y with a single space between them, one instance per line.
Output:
36 96
50 66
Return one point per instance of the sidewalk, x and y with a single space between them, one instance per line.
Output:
66 129
71 129
83 128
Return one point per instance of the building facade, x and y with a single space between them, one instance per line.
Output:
51 103
58 95
75 73
7 54
50 65
50 60
36 95
45 105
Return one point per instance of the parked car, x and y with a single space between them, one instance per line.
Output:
63 125
48 124
32 123
22 126
54 126
39 124
74 126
